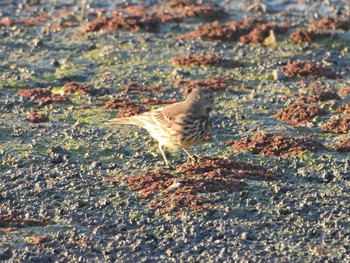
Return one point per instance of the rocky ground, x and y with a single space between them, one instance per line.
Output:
270 184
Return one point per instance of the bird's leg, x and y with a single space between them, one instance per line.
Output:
163 154
191 159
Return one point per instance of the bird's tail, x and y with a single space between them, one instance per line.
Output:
128 120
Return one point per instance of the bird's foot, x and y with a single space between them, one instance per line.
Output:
167 167
193 159
190 161
170 167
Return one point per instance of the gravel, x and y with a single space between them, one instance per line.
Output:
56 202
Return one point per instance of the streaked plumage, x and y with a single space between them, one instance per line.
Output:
179 125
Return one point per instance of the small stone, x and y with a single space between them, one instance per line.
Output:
55 63
59 150
278 74
58 159
95 164
169 252
244 236
327 176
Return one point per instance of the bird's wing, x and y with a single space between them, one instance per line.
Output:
173 110
162 118
159 119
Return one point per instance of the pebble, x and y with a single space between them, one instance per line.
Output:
278 74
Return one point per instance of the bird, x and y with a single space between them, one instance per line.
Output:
178 125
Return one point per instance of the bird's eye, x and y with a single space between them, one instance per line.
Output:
211 96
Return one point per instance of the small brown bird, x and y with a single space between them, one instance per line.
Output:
179 125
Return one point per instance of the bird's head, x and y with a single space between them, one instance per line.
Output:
200 101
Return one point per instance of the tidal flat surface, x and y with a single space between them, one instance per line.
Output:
271 183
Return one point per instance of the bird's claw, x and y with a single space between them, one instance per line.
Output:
192 160
169 167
